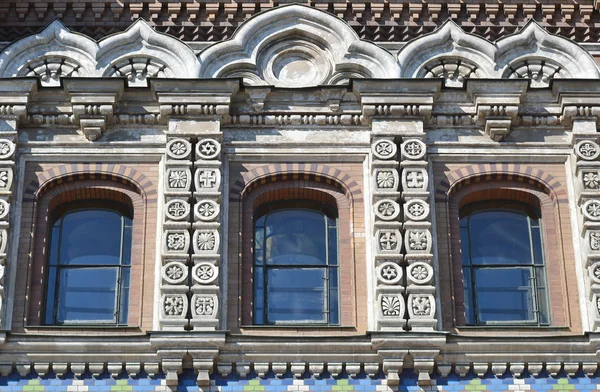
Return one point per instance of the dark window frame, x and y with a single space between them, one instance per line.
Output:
51 308
329 212
537 267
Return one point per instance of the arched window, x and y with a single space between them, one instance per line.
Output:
503 264
89 262
296 263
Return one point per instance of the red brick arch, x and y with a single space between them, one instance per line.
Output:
293 171
90 171
482 172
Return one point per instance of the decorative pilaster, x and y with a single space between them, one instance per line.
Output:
388 238
417 234
207 233
587 173
193 111
176 234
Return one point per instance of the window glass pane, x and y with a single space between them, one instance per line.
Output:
297 237
334 317
51 297
468 287
296 295
124 296
464 246
259 295
91 237
542 295
87 294
499 237
536 239
54 243
127 241
259 239
504 294
333 246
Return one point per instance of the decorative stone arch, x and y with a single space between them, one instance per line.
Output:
535 53
291 171
304 47
52 53
477 173
140 52
459 54
90 171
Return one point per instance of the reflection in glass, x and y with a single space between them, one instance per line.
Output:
295 264
503 266
88 276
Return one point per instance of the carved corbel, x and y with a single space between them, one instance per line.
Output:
94 104
258 96
497 104
204 369
172 368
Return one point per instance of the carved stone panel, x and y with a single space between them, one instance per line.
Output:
204 306
207 149
391 305
179 149
414 179
207 179
176 241
389 273
591 210
174 272
421 306
206 210
205 272
173 305
178 179
177 210
384 149
587 150
387 210
413 149
419 273
417 241
385 180
416 210
206 241
388 241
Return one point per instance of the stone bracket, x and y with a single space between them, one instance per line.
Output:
94 104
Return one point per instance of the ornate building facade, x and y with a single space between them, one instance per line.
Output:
260 196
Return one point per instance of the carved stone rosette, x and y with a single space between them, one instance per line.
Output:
387 226
207 234
420 284
587 172
176 234
7 165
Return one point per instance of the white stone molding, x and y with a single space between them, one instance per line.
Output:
53 45
457 53
136 54
140 52
533 53
533 44
296 46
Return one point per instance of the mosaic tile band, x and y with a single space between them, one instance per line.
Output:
271 383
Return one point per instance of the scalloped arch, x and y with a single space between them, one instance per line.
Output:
285 44
55 41
142 41
447 42
534 42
